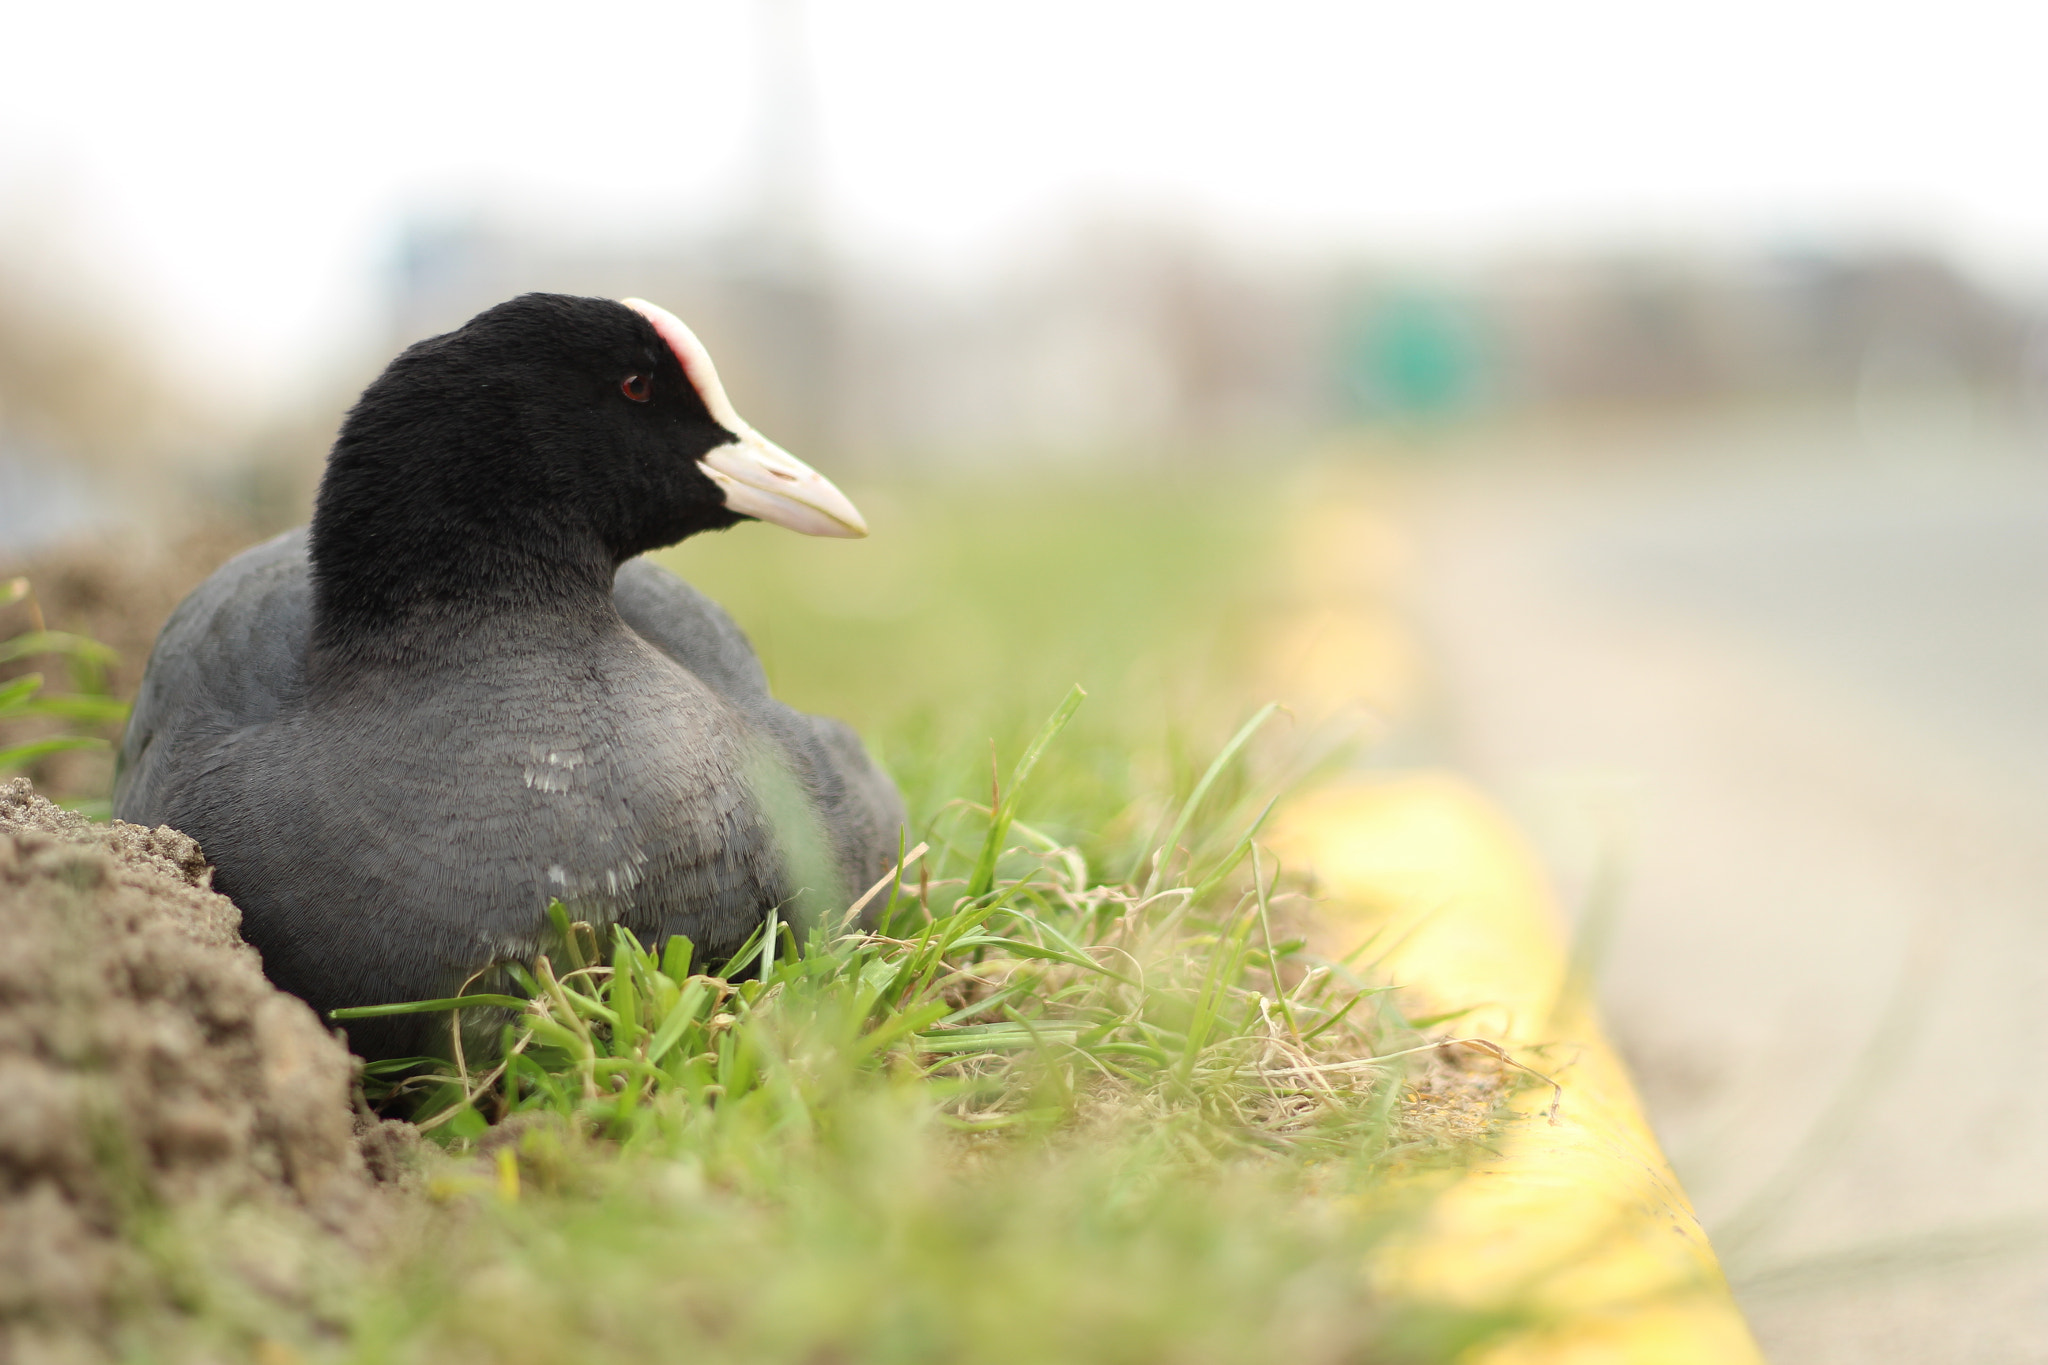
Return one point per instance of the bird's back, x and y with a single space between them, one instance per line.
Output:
231 656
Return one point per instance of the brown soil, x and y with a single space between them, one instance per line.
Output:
153 1084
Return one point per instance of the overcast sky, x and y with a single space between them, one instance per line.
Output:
236 170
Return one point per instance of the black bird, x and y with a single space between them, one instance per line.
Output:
399 733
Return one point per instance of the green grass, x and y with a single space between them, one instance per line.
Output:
963 620
1085 1095
23 698
36 722
1025 992
1051 1119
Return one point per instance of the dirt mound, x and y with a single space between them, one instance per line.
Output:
148 1071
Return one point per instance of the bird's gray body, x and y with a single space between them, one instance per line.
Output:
387 837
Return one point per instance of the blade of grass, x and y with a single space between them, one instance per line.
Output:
453 1002
35 749
1259 889
35 642
15 693
1164 853
982 878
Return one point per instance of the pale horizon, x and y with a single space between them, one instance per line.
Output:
234 177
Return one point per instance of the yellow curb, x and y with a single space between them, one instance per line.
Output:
1335 641
1581 1222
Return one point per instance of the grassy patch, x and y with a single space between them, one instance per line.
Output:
24 701
1034 1116
1084 1094
977 603
1080 1092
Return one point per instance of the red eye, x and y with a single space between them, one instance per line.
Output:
634 386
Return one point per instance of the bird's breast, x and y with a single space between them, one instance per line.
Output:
615 782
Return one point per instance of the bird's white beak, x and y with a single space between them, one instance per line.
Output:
763 480
759 478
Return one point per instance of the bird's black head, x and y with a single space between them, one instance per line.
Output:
521 458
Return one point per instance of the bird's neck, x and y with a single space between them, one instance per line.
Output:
411 558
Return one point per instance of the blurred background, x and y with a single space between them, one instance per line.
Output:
1686 368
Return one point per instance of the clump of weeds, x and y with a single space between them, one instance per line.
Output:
1004 1107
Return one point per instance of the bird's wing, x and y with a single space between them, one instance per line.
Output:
855 800
691 629
231 656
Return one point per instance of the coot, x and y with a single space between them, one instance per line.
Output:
399 733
